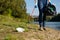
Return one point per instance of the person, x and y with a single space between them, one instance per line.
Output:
41 4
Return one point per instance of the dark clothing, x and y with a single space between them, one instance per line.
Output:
41 5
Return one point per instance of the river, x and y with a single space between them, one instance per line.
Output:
54 25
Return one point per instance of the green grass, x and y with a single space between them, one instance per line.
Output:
8 31
9 25
11 22
13 37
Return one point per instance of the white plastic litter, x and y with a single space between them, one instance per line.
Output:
20 29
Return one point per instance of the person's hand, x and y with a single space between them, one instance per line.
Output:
35 6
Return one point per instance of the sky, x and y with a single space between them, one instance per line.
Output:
30 5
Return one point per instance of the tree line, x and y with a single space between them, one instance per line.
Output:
15 8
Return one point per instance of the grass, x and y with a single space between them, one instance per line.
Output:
8 27
11 22
13 37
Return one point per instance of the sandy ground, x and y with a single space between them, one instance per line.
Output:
32 34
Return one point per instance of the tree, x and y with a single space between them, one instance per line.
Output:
16 8
56 18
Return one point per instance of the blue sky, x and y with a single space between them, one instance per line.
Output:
30 5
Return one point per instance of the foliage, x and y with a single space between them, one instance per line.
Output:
56 18
48 18
16 8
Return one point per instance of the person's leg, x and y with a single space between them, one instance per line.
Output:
44 16
40 6
40 18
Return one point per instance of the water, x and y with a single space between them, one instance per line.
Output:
55 25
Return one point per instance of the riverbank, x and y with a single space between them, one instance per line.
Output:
8 31
54 25
32 34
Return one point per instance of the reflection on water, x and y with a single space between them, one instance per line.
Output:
55 25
